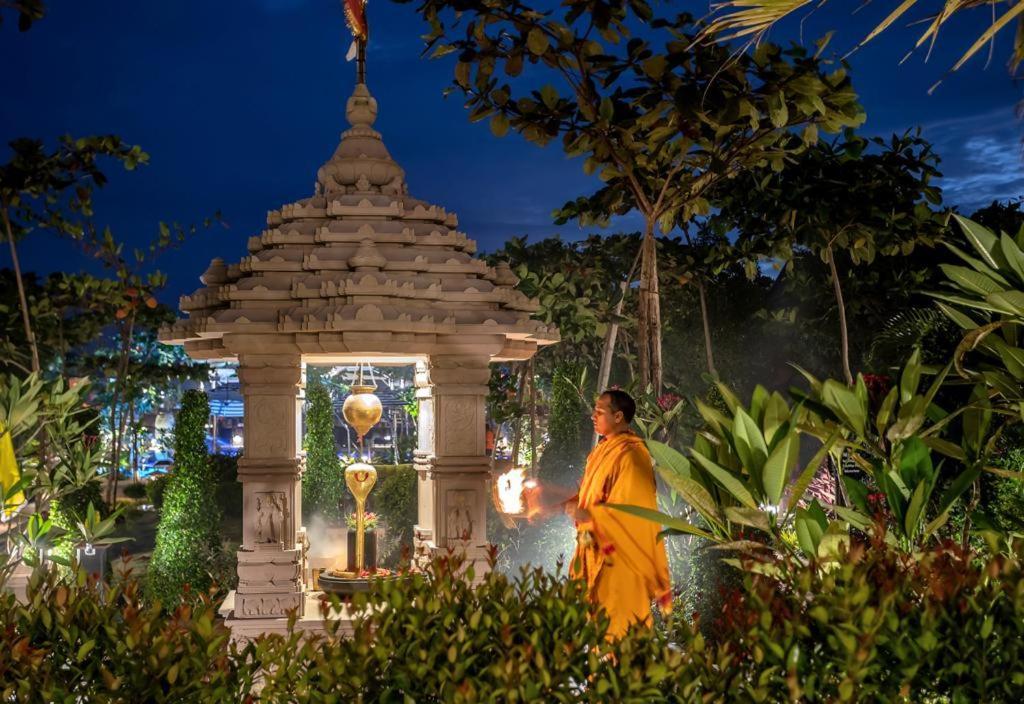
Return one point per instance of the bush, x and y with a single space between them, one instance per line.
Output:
135 491
881 625
155 489
74 645
224 468
188 538
323 483
76 501
435 638
394 500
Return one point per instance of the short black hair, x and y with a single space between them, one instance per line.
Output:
619 400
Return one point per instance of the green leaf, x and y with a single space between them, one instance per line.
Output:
695 494
844 403
911 376
537 41
778 466
983 241
753 517
749 443
970 280
662 519
915 509
727 480
499 124
655 66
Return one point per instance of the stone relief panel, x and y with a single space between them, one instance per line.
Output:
461 426
269 426
271 518
255 606
460 508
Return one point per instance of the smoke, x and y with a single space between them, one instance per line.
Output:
328 544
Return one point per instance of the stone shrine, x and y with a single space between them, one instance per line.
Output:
359 272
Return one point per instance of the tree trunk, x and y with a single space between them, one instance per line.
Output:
709 353
604 372
22 298
533 421
649 333
844 339
517 426
121 417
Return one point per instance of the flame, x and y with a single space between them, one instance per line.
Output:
510 490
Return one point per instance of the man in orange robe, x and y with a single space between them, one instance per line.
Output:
618 554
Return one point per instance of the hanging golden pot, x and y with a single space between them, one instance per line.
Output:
362 409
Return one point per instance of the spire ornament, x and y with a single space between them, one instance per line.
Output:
355 18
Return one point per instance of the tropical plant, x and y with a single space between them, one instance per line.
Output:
661 124
740 470
987 303
753 19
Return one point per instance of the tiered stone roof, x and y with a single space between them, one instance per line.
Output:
359 256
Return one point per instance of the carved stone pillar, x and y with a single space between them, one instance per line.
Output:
269 560
453 456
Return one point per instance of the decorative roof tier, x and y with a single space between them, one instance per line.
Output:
360 267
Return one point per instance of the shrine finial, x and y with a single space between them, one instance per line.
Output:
355 18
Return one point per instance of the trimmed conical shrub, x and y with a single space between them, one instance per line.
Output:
323 482
188 541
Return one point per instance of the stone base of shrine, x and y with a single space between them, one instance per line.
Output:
312 620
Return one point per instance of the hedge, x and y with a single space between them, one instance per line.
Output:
188 542
883 625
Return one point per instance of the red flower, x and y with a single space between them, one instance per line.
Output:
668 401
607 549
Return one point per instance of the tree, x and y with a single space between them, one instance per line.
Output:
188 537
1001 216
323 483
753 19
659 124
53 191
28 11
839 197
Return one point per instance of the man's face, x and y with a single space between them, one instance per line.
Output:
606 420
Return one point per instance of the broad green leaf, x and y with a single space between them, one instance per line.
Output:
776 412
845 404
970 280
810 469
911 376
662 519
749 443
983 241
911 521
696 495
753 517
854 518
1013 254
727 480
779 465
669 458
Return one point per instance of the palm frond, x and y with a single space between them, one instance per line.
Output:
754 18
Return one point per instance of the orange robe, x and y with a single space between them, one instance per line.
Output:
618 554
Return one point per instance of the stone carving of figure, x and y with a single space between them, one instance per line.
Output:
460 516
270 511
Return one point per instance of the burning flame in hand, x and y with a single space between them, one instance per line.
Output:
510 490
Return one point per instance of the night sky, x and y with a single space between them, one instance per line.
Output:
238 102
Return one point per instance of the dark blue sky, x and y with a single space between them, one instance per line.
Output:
239 101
